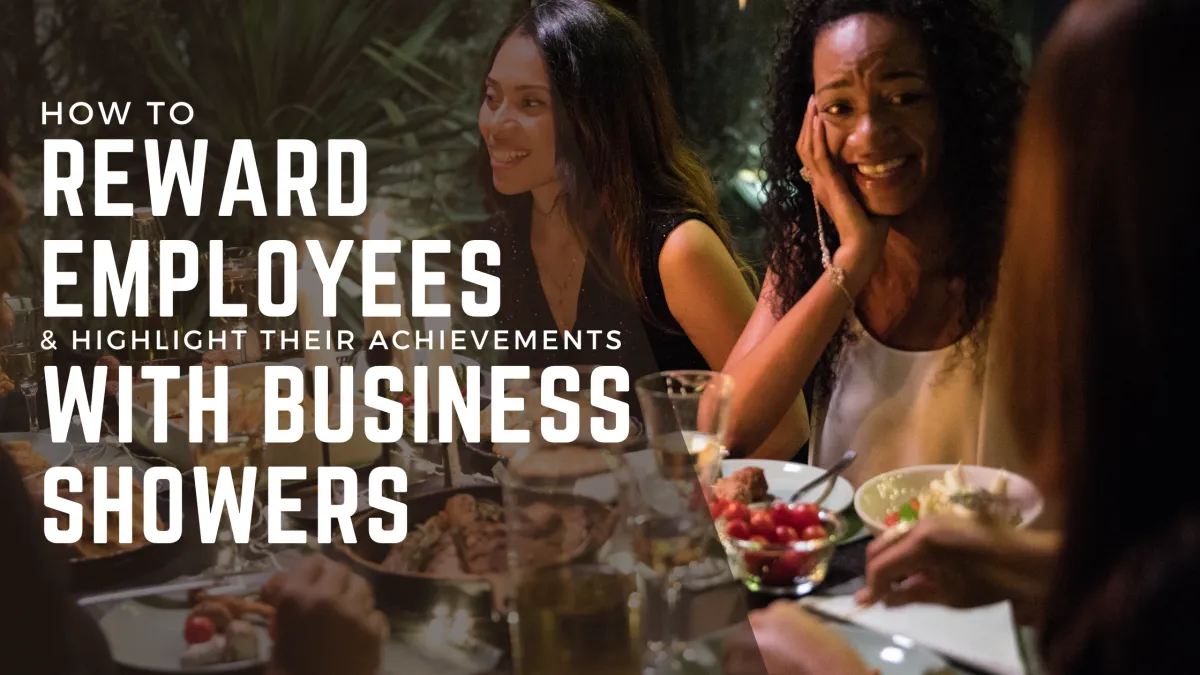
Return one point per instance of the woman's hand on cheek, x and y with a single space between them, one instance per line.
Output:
862 239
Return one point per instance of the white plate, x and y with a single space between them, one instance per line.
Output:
147 634
784 478
55 453
894 655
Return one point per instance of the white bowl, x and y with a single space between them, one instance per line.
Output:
886 491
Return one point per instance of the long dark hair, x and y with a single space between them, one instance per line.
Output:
1101 260
621 156
979 93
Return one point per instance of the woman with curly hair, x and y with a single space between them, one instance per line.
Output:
890 123
1100 256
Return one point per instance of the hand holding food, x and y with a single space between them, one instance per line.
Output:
960 562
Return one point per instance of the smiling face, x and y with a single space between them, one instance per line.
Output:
881 117
516 119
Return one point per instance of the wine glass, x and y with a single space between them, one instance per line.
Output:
239 276
686 416
570 586
22 356
237 453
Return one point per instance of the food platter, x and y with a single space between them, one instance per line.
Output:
55 454
476 593
244 381
94 566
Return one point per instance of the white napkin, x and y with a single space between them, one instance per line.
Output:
984 638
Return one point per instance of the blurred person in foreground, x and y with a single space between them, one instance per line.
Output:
606 219
326 621
1101 255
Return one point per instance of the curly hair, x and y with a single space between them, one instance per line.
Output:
979 91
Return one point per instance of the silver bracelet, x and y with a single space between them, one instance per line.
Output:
837 275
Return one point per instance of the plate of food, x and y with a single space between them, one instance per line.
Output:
751 481
193 633
93 565
902 497
455 554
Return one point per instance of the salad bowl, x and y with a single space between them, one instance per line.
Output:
896 497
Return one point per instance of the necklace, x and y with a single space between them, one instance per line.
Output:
560 300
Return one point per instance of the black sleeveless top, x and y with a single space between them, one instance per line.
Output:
605 313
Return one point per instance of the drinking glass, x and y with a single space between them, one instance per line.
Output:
240 286
22 356
571 590
686 416
237 453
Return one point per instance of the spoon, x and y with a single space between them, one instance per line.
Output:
833 472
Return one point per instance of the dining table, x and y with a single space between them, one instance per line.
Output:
413 649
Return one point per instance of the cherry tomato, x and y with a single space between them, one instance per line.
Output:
717 508
755 560
814 532
737 511
780 572
798 561
915 504
762 524
198 629
737 529
892 519
405 398
781 513
804 515
785 534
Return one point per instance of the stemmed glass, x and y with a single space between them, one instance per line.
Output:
240 286
686 415
22 356
237 453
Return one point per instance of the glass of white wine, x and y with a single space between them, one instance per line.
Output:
237 454
22 356
571 585
686 416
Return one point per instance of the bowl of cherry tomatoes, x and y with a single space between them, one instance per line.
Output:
778 548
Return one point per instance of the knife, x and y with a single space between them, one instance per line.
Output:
220 585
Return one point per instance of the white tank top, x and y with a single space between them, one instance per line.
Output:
899 408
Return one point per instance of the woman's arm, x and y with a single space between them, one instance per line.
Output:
708 296
774 358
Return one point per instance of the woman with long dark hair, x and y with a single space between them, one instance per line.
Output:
1101 256
890 124
606 218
